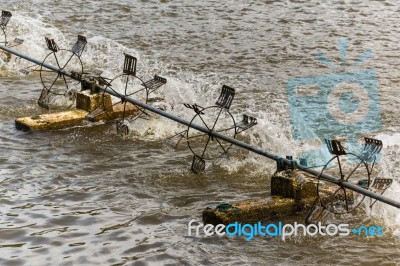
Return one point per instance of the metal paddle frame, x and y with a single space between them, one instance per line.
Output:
366 160
128 74
221 111
254 149
72 55
4 19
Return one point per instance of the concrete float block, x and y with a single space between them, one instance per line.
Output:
302 187
100 107
51 121
86 105
292 192
252 211
293 184
90 102
113 112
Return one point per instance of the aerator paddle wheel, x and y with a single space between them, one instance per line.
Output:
211 131
131 86
216 119
351 168
55 83
348 167
4 19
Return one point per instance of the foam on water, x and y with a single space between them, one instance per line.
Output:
107 55
390 168
32 31
186 87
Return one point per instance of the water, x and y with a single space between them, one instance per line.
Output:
88 196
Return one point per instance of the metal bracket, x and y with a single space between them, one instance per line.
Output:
76 76
198 165
25 71
372 147
246 123
16 42
176 139
51 44
44 98
29 69
122 128
79 46
226 97
89 85
97 72
95 76
130 65
5 17
197 108
335 147
283 166
155 83
380 185
317 213
103 81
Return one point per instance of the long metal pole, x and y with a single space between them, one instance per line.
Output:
236 142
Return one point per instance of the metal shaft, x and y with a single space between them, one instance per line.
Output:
236 142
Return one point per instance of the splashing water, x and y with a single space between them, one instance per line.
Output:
182 87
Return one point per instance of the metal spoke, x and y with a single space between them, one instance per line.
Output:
204 134
68 61
196 136
226 129
345 199
65 81
225 151
340 167
58 64
135 92
52 84
216 120
205 147
203 121
126 84
334 194
352 172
